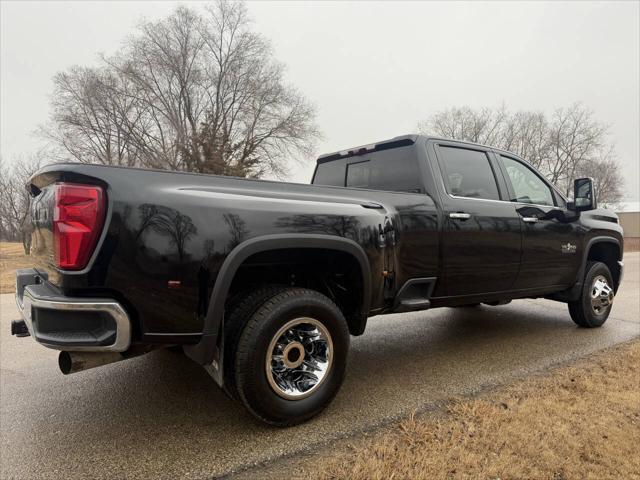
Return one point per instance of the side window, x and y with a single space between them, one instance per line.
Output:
468 173
527 185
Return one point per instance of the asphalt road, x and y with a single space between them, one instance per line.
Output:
160 416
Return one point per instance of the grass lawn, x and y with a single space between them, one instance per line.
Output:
12 257
580 421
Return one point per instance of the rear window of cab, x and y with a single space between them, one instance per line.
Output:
393 170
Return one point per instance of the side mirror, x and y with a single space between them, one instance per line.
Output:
584 195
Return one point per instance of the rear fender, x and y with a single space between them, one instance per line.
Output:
207 352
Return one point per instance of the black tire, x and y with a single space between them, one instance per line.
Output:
251 372
241 308
581 310
468 305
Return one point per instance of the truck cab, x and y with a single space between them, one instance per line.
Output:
500 224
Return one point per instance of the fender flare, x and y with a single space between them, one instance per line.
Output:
573 293
207 350
585 253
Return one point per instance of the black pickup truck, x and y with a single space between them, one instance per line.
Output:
263 282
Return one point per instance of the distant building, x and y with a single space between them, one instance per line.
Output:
630 222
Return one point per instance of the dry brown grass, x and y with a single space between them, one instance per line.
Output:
12 257
579 422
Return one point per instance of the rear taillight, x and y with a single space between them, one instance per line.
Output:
78 217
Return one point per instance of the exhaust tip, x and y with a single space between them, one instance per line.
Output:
65 363
72 362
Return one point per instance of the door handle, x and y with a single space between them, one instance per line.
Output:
460 216
373 205
530 219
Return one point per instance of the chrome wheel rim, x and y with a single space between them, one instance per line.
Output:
601 295
299 358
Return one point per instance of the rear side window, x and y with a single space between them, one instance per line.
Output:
468 173
393 170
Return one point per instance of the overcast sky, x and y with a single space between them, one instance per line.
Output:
372 69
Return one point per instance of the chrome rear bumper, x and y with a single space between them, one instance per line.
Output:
68 323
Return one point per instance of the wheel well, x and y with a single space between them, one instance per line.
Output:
334 273
609 254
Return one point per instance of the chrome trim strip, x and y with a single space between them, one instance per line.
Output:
111 307
486 149
554 207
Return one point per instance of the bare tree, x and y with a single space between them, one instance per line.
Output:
483 126
195 91
576 138
526 134
237 229
179 228
91 121
14 199
607 176
569 144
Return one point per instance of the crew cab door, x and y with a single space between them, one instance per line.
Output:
481 238
551 239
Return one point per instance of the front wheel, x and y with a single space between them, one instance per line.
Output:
291 356
596 299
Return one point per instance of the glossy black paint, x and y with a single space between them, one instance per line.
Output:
168 249
480 254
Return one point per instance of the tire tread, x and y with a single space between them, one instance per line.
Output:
244 348
240 311
580 313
